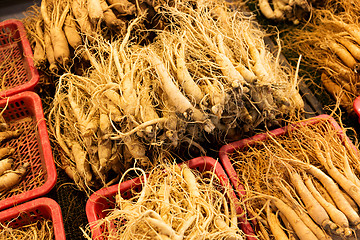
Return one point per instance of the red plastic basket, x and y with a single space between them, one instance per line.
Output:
24 111
104 199
16 59
32 211
356 106
238 145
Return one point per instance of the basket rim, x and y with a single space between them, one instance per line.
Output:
52 207
44 141
28 55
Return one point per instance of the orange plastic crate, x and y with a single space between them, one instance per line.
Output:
24 111
16 59
32 211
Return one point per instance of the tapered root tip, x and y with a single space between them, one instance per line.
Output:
333 226
347 232
208 126
26 165
19 132
53 69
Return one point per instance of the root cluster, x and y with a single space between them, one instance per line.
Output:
331 43
302 182
174 203
39 230
201 74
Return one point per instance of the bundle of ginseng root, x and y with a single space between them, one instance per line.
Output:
302 184
175 202
40 230
331 43
200 79
289 10
57 29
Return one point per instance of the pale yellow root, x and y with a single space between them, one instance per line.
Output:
301 230
336 194
343 54
217 97
39 50
335 214
110 19
337 92
309 222
303 214
147 111
288 227
258 67
72 35
223 227
8 135
5 164
11 178
94 11
60 46
274 225
266 9
137 150
104 145
348 170
248 75
49 50
230 73
6 151
352 47
350 200
124 7
312 206
55 24
191 182
81 161
186 81
176 98
80 13
348 186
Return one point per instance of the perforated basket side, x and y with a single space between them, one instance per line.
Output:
104 199
32 211
24 111
16 59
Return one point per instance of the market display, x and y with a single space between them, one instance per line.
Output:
129 84
301 182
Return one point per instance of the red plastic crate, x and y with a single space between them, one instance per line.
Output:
104 199
24 111
356 106
32 211
238 145
16 59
